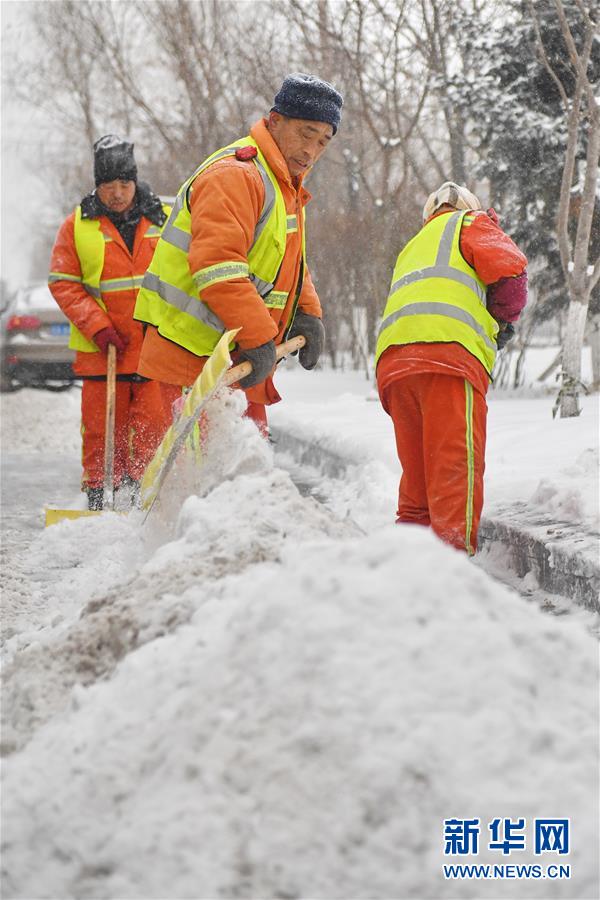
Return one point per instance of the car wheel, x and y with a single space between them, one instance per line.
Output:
7 385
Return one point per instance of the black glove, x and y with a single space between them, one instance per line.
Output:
262 360
505 334
314 332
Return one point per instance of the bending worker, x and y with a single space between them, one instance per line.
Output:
99 258
232 254
458 286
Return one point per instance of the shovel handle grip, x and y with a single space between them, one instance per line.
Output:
109 428
245 368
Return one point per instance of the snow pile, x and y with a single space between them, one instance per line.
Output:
271 704
563 505
85 567
566 501
551 463
35 420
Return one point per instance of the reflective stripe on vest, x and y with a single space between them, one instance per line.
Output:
90 243
224 271
177 298
171 296
277 299
121 284
436 296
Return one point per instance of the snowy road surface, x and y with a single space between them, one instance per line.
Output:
31 481
252 695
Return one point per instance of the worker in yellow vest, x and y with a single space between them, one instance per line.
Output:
232 254
99 258
457 288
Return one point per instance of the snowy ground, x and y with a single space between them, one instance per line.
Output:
256 695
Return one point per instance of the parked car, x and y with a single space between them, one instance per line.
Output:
34 342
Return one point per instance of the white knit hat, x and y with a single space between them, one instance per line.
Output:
456 195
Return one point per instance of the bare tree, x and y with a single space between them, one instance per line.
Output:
182 78
370 187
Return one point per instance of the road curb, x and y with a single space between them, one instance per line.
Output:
562 558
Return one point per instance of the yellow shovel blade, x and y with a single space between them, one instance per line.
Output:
53 516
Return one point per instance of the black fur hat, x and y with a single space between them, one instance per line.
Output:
113 160
308 97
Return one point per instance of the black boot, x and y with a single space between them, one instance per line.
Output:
95 498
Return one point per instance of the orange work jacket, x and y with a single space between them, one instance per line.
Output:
83 310
226 203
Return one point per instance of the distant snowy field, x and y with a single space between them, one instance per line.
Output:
252 695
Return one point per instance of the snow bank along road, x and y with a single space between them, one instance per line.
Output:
253 695
542 513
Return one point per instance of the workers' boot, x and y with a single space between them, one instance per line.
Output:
95 498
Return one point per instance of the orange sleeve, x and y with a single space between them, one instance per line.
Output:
309 301
226 202
489 250
78 306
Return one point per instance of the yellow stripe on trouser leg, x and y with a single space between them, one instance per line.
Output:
470 465
131 443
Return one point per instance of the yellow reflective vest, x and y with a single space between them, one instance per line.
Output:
436 297
90 243
171 296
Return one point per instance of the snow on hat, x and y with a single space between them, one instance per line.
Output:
113 159
456 195
308 97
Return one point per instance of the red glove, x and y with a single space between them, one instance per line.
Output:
507 297
107 336
493 216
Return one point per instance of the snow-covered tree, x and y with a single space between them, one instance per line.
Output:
575 82
535 119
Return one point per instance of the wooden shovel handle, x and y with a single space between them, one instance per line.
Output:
109 431
245 368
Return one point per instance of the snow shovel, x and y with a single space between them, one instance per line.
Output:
57 515
215 375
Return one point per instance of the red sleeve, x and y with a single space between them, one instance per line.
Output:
78 306
309 301
489 250
226 202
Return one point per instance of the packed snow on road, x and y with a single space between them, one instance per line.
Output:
257 694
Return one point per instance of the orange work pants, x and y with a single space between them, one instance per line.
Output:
440 423
141 419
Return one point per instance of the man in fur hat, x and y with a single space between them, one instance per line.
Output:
232 254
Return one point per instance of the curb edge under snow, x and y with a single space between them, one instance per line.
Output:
561 558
